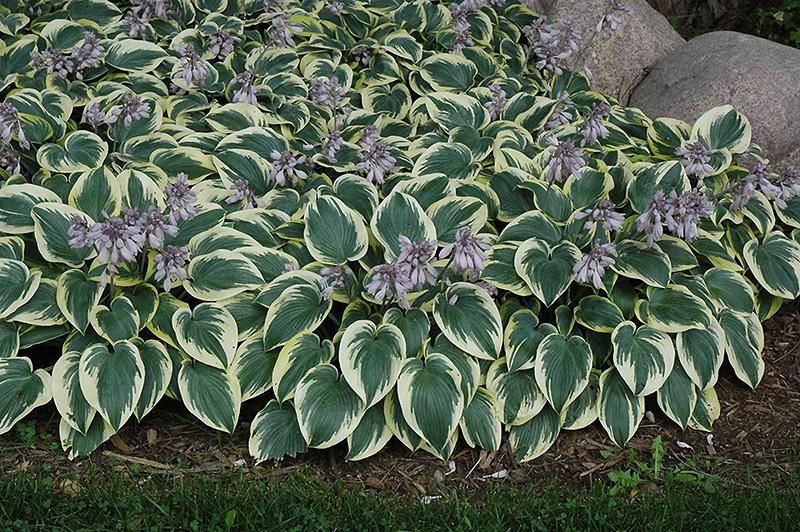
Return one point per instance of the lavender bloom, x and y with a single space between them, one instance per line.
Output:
273 6
327 91
604 214
651 222
468 251
282 31
55 61
695 159
180 199
336 8
566 161
284 167
789 183
118 240
593 264
498 102
243 192
377 161
475 278
133 108
552 46
79 232
390 282
686 212
137 24
758 178
93 114
171 265
593 127
561 113
332 145
460 24
10 124
417 255
89 54
222 44
362 54
194 67
155 227
10 162
151 8
612 18
334 277
247 88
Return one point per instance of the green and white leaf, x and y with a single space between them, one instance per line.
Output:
469 318
21 390
744 342
534 437
562 369
370 436
211 394
275 433
548 271
480 423
620 411
643 356
371 358
678 396
296 358
334 233
208 334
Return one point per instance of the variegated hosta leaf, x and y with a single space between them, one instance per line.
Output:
467 365
452 159
296 358
67 394
546 270
400 215
221 274
370 436
518 395
79 444
500 271
211 394
9 340
722 128
247 312
16 204
430 395
21 390
620 411
583 411
275 433
254 366
706 411
673 310
744 342
371 358
116 322
76 296
701 352
534 437
208 334
397 423
334 233
648 264
51 229
644 357
449 72
730 290
112 381
775 263
678 396
41 309
562 369
469 318
82 151
522 337
598 314
413 323
134 55
144 297
96 192
19 285
298 309
157 374
328 410
12 247
451 214
161 323
480 423
450 111
220 238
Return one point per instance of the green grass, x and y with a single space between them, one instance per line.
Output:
108 501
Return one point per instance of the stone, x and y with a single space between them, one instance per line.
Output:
757 77
618 60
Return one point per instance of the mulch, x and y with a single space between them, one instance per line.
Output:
757 432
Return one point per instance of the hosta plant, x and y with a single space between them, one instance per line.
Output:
378 219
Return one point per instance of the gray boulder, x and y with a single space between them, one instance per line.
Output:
618 60
758 77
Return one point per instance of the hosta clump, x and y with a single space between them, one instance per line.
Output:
377 220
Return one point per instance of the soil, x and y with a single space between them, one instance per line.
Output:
757 432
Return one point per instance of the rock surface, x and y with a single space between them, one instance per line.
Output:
619 60
758 77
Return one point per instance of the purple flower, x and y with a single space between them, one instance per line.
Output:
89 54
336 8
10 124
10 162
79 232
282 31
274 6
467 250
171 265
180 199
498 102
156 227
243 192
55 61
561 113
194 68
789 183
683 218
390 282
117 239
284 167
594 127
151 8
133 108
327 91
362 54
93 114
604 214
695 159
593 264
612 18
417 256
459 23
222 44
475 278
552 45
651 221
334 277
247 88
376 159
332 145
137 24
566 161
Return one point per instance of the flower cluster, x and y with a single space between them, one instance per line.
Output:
594 127
592 266
603 214
222 44
696 159
553 45
612 18
681 214
566 161
376 159
468 251
498 102
285 167
142 13
194 69
10 125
